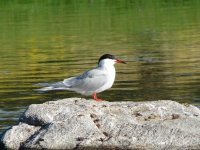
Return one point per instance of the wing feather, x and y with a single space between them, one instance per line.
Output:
88 82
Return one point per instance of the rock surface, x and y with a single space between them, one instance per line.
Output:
76 123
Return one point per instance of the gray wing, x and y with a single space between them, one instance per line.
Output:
88 82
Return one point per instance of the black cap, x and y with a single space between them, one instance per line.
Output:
106 56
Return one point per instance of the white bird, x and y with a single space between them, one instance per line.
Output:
90 82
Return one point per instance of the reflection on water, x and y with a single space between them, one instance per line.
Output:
47 41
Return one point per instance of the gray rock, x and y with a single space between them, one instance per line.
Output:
76 123
17 135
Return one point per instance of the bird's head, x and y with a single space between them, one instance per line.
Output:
107 59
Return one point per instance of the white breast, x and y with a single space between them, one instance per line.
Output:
110 76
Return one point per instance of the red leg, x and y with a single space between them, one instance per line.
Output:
94 95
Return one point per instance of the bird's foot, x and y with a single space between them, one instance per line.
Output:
94 95
98 99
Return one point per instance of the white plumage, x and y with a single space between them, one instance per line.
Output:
90 82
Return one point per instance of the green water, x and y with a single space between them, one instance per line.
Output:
48 40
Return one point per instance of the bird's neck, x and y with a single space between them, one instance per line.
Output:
108 67
110 73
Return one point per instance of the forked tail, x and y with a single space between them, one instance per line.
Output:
51 86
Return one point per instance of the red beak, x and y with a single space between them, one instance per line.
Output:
120 61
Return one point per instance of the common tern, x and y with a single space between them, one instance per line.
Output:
90 82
